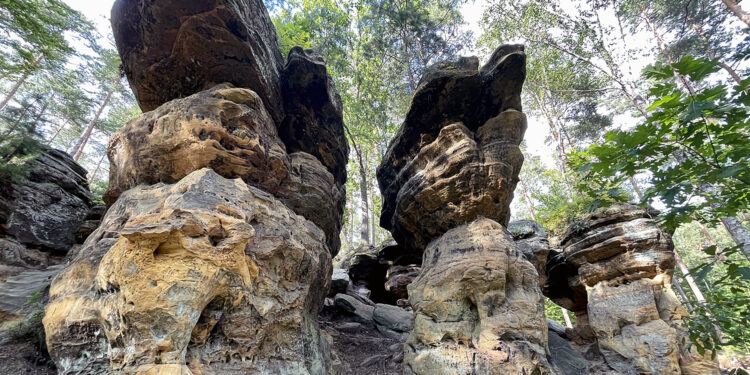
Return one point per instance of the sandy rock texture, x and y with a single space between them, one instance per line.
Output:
478 307
456 155
228 130
625 263
165 53
207 275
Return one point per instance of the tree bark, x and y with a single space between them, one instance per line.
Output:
737 11
98 164
18 84
738 232
682 294
365 229
78 148
694 287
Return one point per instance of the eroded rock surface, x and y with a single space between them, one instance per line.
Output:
172 49
228 130
206 275
456 155
625 263
478 307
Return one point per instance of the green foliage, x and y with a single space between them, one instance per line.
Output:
693 146
554 312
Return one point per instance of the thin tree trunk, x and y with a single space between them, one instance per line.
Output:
365 229
682 294
694 287
96 171
712 55
565 315
78 148
738 232
528 199
18 84
737 11
371 212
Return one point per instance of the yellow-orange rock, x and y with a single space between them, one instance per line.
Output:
205 276
477 307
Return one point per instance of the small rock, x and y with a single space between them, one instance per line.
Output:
398 357
361 312
339 281
371 360
396 347
393 318
349 327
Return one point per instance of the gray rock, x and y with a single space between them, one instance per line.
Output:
393 318
567 360
391 334
556 327
361 312
16 290
339 281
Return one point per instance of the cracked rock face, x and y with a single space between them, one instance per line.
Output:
625 263
477 306
165 53
207 275
456 155
228 130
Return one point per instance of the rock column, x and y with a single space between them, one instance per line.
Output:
447 180
226 201
625 263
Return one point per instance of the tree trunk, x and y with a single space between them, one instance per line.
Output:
78 148
568 323
371 212
694 287
738 232
528 199
365 229
737 11
98 164
18 84
682 294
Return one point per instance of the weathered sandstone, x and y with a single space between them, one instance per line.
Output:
478 307
172 49
207 275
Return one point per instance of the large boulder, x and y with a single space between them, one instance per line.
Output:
456 155
477 307
172 49
45 209
207 275
229 130
314 121
625 263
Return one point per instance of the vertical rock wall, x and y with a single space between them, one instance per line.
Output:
447 180
226 202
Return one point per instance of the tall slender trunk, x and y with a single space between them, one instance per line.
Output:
96 171
738 232
529 206
78 148
737 11
712 55
682 294
565 315
371 212
57 133
18 84
694 288
365 229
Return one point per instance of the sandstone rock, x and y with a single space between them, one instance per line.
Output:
393 318
207 273
398 278
368 272
477 307
226 129
314 122
564 357
339 281
172 49
531 238
411 174
454 179
625 263
361 312
45 209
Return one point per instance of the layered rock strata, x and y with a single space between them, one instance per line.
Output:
41 218
625 263
214 256
164 46
447 181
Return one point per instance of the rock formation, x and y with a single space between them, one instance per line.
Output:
617 265
41 216
447 181
226 202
